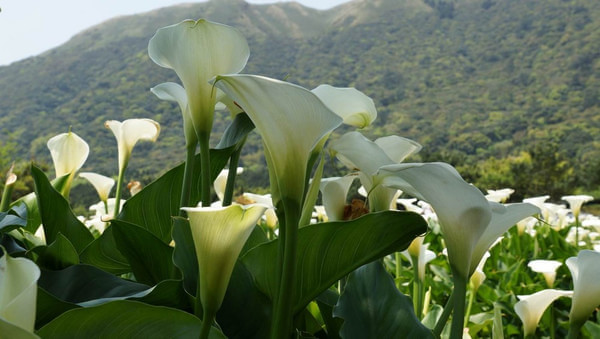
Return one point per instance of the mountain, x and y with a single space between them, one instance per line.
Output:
506 90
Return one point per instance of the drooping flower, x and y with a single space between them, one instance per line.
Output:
530 308
18 293
198 51
469 223
293 123
585 270
547 268
101 183
69 152
356 108
219 235
129 132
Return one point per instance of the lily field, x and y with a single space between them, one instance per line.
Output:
423 253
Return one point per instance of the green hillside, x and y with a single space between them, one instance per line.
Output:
507 90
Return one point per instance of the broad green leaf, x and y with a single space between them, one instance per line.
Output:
10 244
84 283
169 293
329 251
49 307
236 131
150 259
8 330
103 253
372 307
255 318
56 214
154 207
127 319
431 318
58 255
34 220
184 255
9 222
326 302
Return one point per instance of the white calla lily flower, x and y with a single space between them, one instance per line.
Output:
356 108
576 201
530 308
197 51
334 192
547 268
270 215
470 224
69 152
585 270
129 132
293 123
18 293
219 233
171 91
101 183
361 154
220 182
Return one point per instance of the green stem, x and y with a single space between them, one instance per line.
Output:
577 232
552 321
574 330
204 139
281 326
417 294
460 292
441 323
233 164
398 269
206 325
187 178
105 206
469 305
118 192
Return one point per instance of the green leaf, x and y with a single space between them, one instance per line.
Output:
497 328
184 255
9 222
56 214
103 253
329 251
34 220
154 207
326 302
236 131
253 323
372 307
9 330
83 283
127 319
49 307
169 293
149 257
58 255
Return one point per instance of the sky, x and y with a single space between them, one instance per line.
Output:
31 27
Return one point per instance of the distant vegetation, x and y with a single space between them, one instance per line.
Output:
507 91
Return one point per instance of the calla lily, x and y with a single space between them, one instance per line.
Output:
101 183
221 181
129 132
350 104
417 250
197 51
470 224
18 293
219 235
69 152
585 270
478 276
292 122
500 195
359 153
334 192
576 201
270 215
547 268
174 92
530 308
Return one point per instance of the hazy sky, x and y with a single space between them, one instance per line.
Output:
30 27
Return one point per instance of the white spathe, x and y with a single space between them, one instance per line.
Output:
585 270
129 132
198 51
69 152
352 105
530 308
101 183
